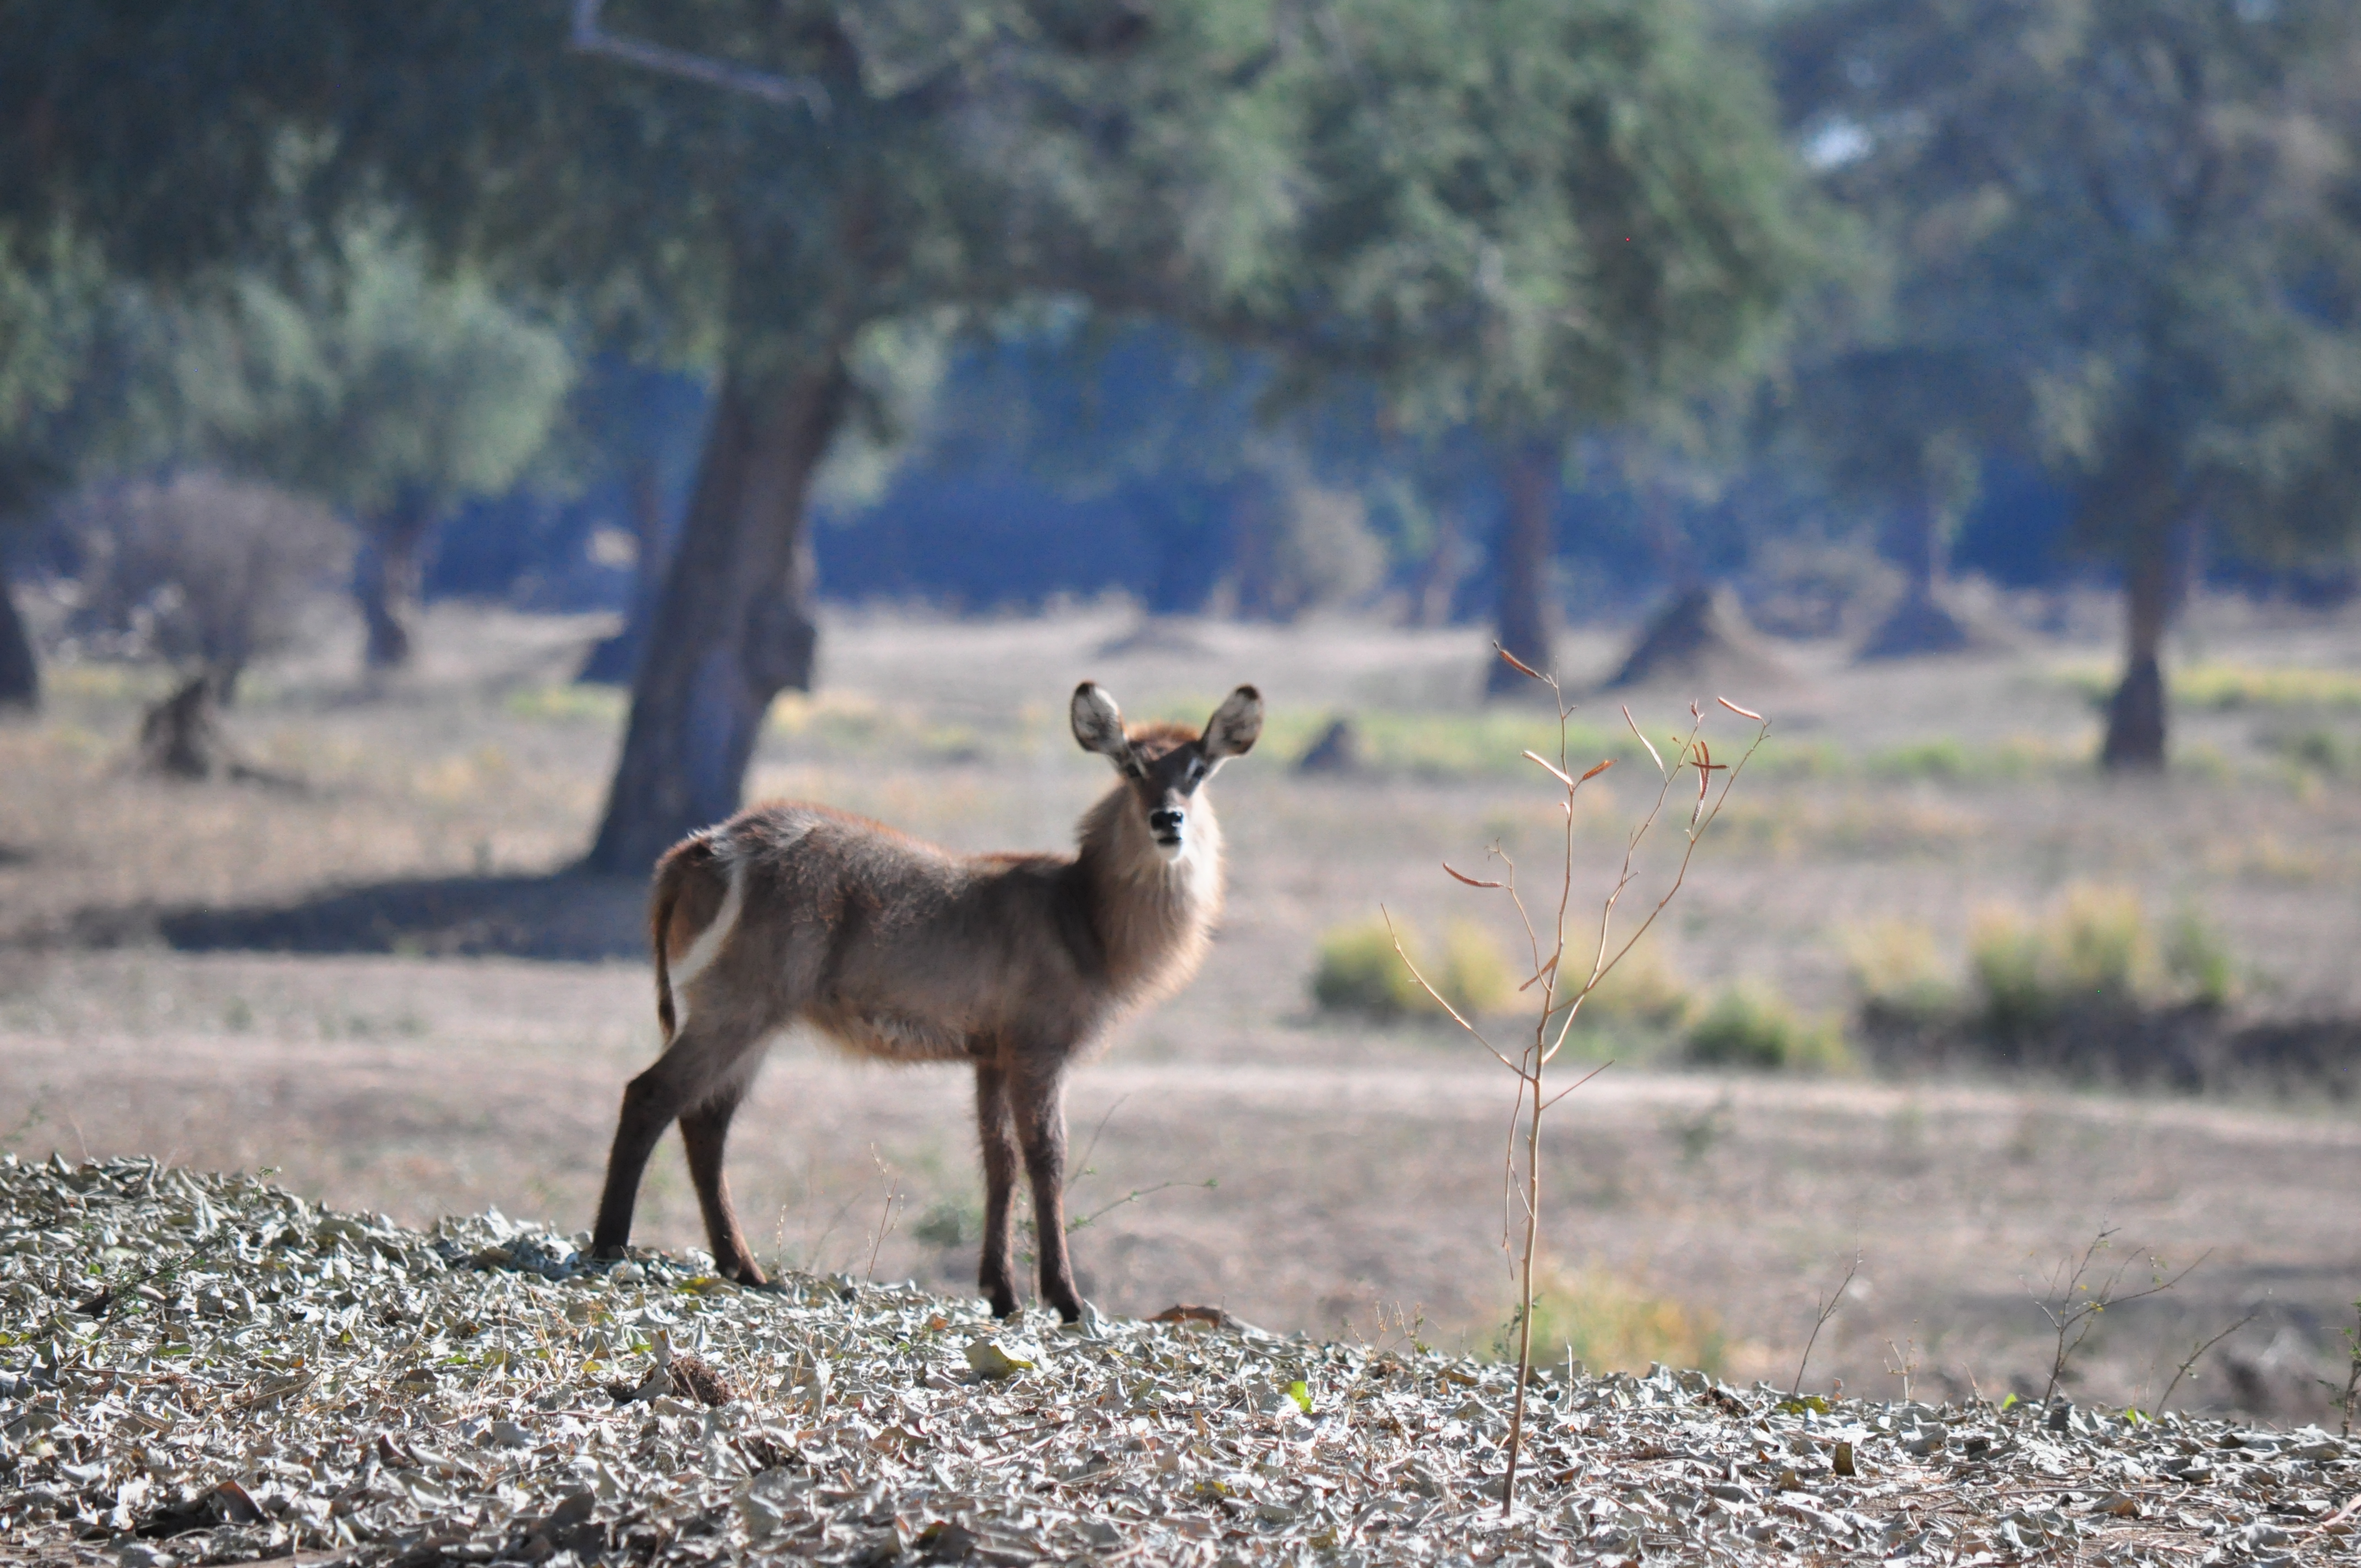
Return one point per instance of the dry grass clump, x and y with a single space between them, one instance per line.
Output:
1359 972
1610 1322
2095 951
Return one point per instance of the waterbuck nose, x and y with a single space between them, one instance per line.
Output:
1165 822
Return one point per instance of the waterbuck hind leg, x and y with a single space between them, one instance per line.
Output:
703 1132
692 1068
996 1132
1039 1106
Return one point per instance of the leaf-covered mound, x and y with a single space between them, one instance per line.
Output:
205 1368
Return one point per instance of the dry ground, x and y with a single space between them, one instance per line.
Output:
407 1060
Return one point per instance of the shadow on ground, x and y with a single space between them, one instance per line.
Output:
569 915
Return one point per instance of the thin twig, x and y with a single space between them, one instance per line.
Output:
1827 1310
2166 1398
1134 1196
887 1216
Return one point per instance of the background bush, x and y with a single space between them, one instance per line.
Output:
1359 972
1751 1025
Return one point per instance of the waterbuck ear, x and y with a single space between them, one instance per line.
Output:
1232 730
1098 726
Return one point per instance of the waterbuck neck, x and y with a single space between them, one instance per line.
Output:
1152 915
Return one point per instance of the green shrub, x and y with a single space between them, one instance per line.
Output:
1751 1025
1359 972
2096 950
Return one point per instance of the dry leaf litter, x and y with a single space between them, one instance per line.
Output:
207 1369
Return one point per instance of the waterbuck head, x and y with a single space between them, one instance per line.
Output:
1164 763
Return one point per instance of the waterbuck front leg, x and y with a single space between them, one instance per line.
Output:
996 1131
704 1131
1038 1102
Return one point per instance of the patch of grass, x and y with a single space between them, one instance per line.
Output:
1751 1025
1612 1323
2197 957
567 704
1945 759
2317 749
1359 972
2228 689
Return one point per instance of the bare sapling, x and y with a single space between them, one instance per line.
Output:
2074 1297
1822 1312
1558 996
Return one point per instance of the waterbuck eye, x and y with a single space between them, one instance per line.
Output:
1196 768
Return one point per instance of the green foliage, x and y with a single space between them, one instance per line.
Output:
1360 973
1751 1025
2198 959
1532 214
948 1223
1612 1323
2236 688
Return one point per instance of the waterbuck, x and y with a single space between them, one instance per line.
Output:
791 913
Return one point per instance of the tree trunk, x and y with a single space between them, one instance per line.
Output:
734 627
386 577
20 671
614 661
2135 718
1524 568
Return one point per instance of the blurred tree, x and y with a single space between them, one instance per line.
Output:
349 373
1534 217
366 380
1903 429
201 570
46 296
930 154
2138 219
1521 218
